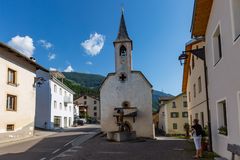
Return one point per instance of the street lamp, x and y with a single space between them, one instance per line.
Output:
200 53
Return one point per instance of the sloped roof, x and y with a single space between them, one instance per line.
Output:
122 33
201 13
20 55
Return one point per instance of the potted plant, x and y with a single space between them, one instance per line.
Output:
223 130
205 139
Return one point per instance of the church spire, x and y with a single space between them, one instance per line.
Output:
122 33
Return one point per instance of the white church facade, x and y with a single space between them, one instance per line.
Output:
128 90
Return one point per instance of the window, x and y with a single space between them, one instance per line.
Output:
236 19
65 93
85 97
196 115
95 114
184 114
202 119
199 85
55 104
217 46
11 102
123 77
222 114
191 120
174 115
123 51
173 104
55 88
70 108
60 106
197 48
60 91
189 96
95 102
185 104
193 63
85 102
194 90
125 104
95 108
12 76
174 125
10 127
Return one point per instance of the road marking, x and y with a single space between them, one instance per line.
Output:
43 158
68 143
56 151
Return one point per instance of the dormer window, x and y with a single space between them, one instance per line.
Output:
123 51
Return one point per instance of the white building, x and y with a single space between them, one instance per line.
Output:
219 22
54 107
91 104
17 94
126 89
173 114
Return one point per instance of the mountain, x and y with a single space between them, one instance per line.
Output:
92 81
83 83
155 98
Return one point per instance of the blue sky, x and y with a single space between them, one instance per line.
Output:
55 32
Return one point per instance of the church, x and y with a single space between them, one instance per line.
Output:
128 90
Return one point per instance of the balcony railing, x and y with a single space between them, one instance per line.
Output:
67 99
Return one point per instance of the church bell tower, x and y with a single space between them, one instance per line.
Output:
123 52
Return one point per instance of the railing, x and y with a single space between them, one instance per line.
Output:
67 99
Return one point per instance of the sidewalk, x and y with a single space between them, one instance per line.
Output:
38 134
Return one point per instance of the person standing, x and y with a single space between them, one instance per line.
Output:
197 137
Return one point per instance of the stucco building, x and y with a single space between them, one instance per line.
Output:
173 114
194 83
17 94
54 102
126 89
88 106
218 21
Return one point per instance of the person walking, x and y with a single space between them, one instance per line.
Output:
197 132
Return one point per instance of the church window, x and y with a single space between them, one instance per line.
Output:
122 77
123 51
125 104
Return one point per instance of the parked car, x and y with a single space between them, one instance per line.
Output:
78 122
84 120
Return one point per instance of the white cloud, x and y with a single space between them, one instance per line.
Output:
94 44
23 45
52 69
45 44
51 56
69 69
89 63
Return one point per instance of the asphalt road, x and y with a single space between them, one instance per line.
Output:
48 147
98 148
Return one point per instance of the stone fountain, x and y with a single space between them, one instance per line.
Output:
124 132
